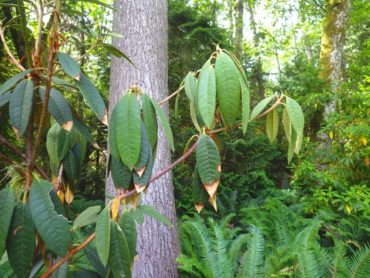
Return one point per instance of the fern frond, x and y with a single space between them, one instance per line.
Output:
191 266
359 266
236 248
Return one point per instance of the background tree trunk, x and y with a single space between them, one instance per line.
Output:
143 23
239 29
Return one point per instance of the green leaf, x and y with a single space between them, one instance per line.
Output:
21 241
207 94
128 226
12 81
165 125
150 120
143 181
125 130
272 124
193 116
69 65
60 82
4 99
58 108
292 145
7 203
53 228
116 52
103 235
57 144
97 2
200 195
20 106
71 167
208 160
295 115
119 258
84 131
227 88
190 84
92 97
87 217
260 107
298 144
145 150
286 124
150 211
246 107
121 175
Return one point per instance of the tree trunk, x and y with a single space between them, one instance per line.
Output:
332 43
143 23
230 8
239 29
258 72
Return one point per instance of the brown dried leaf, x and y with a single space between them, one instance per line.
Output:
211 188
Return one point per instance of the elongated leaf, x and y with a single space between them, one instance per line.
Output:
150 120
21 241
295 115
57 144
71 167
12 81
116 52
143 181
292 145
4 99
62 271
208 160
190 84
53 228
97 2
260 107
246 107
69 65
84 131
145 151
7 202
20 106
272 124
119 258
103 235
207 94
287 125
58 108
298 144
92 98
193 116
200 195
128 226
60 82
227 88
125 130
165 125
150 211
87 217
121 175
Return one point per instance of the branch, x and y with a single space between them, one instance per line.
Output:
123 196
9 52
171 95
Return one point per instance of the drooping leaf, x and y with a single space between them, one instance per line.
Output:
141 182
292 145
298 144
145 152
103 232
165 124
4 99
53 228
150 120
87 217
272 124
60 272
295 115
286 124
57 145
150 211
208 160
120 257
20 106
121 175
246 108
260 107
116 52
84 131
58 108
21 241
69 65
200 195
125 130
58 206
128 226
193 116
7 202
190 85
92 98
227 88
12 81
71 167
92 256
60 82
207 94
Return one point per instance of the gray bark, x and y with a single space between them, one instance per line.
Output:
143 23
239 29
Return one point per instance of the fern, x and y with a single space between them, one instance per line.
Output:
252 261
359 265
236 249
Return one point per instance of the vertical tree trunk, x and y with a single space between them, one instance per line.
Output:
143 23
258 72
332 43
230 8
239 29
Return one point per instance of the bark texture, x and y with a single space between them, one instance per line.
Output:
239 29
332 42
143 23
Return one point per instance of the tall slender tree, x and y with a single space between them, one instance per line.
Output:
239 29
143 23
